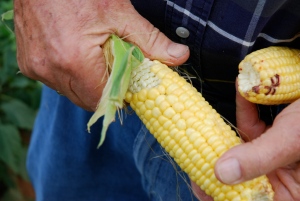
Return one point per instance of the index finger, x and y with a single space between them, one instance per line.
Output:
247 118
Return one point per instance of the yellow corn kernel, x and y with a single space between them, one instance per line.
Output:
192 132
270 76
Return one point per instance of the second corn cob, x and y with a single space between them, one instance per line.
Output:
270 76
188 128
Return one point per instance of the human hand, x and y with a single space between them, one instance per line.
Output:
59 43
272 150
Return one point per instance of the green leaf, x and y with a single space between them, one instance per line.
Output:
22 168
8 15
6 178
13 195
10 146
20 82
7 19
18 113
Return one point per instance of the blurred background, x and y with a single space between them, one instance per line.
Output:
19 102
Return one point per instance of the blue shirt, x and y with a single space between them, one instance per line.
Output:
63 161
222 32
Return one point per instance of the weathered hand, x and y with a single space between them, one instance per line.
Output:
59 43
273 150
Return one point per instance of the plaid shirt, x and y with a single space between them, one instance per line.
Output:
221 33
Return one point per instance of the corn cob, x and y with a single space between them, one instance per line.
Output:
270 76
189 129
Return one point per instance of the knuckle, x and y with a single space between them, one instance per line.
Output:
67 56
153 39
31 67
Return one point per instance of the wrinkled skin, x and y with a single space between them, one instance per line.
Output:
272 150
59 43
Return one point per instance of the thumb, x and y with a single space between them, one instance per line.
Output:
249 160
153 43
277 147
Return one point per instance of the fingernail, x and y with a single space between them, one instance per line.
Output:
229 171
177 50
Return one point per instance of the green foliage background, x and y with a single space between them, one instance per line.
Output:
19 102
